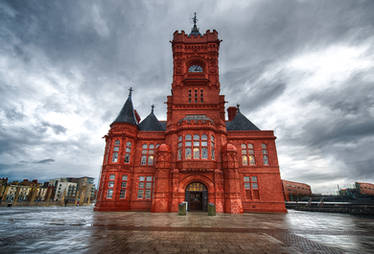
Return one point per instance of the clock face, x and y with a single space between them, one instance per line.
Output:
195 68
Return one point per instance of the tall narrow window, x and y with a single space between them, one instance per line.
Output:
251 155
188 144
110 186
189 96
201 95
212 140
145 187
180 145
195 95
265 155
196 146
115 151
127 152
147 154
144 154
204 146
122 193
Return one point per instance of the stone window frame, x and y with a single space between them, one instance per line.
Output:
111 179
247 152
147 157
124 181
144 187
251 187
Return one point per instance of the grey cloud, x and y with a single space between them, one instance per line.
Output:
58 129
44 161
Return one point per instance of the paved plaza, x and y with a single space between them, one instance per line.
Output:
80 230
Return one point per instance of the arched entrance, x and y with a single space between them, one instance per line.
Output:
197 197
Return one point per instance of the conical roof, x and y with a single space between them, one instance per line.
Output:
241 123
151 123
127 114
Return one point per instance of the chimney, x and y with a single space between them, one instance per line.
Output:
231 111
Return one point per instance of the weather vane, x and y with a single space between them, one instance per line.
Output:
130 90
194 19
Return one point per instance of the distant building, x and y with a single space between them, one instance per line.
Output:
358 190
86 187
64 189
295 191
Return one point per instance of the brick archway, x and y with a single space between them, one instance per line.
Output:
196 178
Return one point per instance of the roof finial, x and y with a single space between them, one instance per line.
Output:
194 19
130 91
152 108
238 107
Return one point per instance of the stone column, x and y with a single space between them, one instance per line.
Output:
233 202
160 201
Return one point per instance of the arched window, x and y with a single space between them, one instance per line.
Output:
180 147
127 152
212 141
195 68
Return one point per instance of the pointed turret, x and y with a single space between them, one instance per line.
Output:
151 123
127 114
194 30
241 123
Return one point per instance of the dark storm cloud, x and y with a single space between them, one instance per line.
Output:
44 161
65 67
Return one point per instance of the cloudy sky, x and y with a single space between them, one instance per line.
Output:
302 68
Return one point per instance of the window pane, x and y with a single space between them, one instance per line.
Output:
127 158
250 146
147 194
254 178
188 143
204 143
149 178
148 185
196 153
254 186
196 137
144 160
212 138
244 160
141 185
157 145
213 154
246 185
188 153
251 152
204 153
263 146
150 152
142 178
264 152
246 179
140 193
112 177
115 157
188 137
116 148
111 184
151 146
109 193
180 138
144 152
128 144
244 146
116 142
244 151
123 184
128 149
204 137
150 160
196 143
252 160
179 144
179 154
144 146
122 193
266 161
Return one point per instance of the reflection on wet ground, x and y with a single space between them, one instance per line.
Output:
80 230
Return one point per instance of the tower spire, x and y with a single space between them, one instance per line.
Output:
130 91
152 108
194 30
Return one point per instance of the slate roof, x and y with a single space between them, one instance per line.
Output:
151 123
195 31
127 114
241 123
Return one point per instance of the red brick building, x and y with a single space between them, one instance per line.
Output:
196 155
295 191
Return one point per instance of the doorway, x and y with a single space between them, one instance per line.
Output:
197 197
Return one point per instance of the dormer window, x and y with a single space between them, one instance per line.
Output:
195 68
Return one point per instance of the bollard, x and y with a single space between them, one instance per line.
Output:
182 209
211 209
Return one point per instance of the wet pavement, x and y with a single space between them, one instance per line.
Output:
80 230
